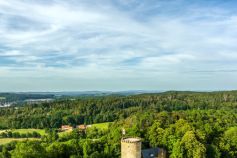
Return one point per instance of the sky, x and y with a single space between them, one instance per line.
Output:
116 45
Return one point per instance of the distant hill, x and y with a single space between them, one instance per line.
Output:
13 97
18 97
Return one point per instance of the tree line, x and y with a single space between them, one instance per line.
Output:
10 134
110 108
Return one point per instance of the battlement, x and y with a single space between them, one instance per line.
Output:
131 140
131 147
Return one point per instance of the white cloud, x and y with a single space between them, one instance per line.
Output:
82 41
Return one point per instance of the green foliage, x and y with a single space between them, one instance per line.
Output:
228 143
186 124
51 136
10 134
94 133
29 149
177 151
103 126
156 134
5 153
111 108
58 150
191 147
213 151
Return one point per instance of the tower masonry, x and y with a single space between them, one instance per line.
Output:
131 148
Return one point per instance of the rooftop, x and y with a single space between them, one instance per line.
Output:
150 153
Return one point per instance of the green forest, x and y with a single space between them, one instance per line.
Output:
186 124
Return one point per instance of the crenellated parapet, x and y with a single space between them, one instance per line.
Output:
131 140
131 147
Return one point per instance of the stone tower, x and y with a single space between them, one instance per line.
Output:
131 148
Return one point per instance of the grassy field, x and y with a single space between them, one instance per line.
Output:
42 131
102 125
21 131
8 140
60 134
24 131
2 98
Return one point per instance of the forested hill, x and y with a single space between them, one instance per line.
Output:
110 108
18 97
186 124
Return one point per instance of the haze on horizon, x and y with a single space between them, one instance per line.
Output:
76 45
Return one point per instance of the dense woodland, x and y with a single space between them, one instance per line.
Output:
186 124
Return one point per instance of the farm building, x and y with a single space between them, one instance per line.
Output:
82 127
66 128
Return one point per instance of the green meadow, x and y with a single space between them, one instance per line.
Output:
25 131
103 126
8 140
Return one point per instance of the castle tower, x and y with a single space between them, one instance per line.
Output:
131 148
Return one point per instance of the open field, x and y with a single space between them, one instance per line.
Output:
60 134
102 125
21 131
24 131
8 140
2 98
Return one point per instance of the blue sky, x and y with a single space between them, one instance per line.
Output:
77 45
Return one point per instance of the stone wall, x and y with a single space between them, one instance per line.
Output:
162 153
131 148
